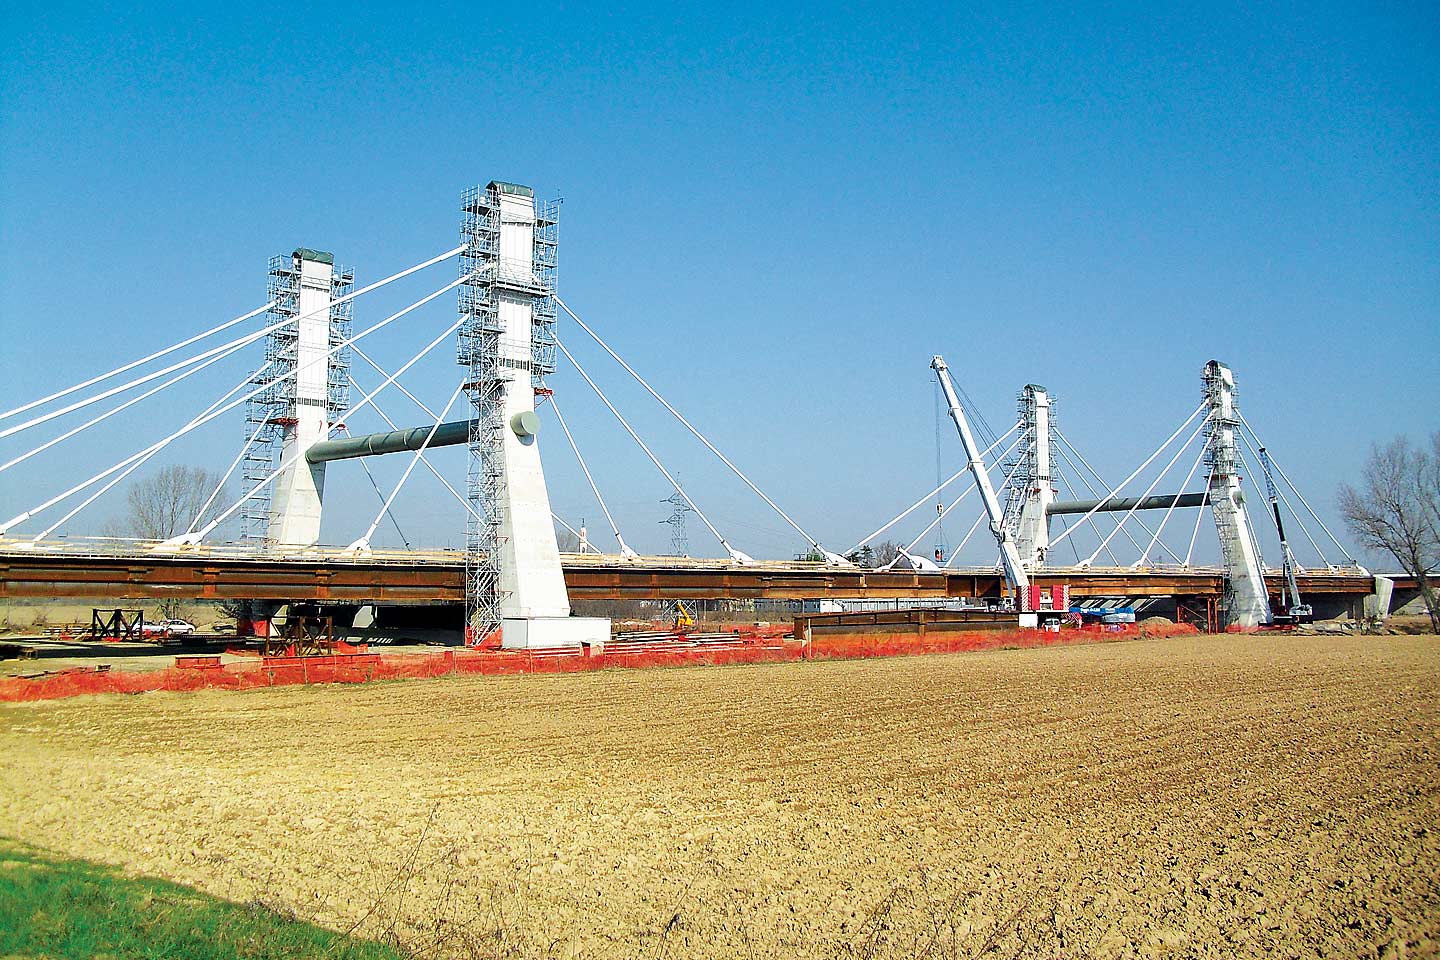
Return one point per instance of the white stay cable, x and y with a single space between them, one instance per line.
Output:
1148 490
1059 448
625 550
129 403
926 498
205 531
423 459
141 461
1143 525
942 514
1145 556
1296 490
238 342
135 363
558 519
380 495
1070 491
1280 493
22 517
964 540
1250 528
364 542
210 501
978 520
735 555
1199 515
398 386
831 557
223 350
1118 487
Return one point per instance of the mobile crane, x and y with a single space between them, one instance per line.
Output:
1294 610
1027 600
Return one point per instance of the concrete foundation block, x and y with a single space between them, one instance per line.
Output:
549 633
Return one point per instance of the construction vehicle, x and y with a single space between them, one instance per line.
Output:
684 619
1292 609
1037 606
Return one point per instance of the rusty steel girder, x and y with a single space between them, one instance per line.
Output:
432 578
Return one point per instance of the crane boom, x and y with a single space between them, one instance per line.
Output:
1295 610
1010 556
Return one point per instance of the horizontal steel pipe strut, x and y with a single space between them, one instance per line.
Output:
394 441
1120 504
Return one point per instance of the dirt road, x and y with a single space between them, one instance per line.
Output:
1188 797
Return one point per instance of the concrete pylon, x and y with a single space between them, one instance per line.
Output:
513 577
299 489
1032 533
1247 603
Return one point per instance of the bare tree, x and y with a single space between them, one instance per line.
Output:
567 541
885 551
1397 511
163 504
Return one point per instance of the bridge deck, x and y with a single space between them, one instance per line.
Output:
87 569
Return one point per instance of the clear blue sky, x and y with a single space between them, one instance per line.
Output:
779 214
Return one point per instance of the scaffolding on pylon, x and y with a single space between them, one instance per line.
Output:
1022 466
270 411
488 279
1222 457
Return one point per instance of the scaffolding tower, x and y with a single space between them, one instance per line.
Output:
490 278
270 412
1246 601
1033 474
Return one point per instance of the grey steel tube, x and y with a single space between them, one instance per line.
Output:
395 441
1121 504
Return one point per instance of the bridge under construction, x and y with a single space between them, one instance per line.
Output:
512 579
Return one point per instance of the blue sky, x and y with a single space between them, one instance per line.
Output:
778 214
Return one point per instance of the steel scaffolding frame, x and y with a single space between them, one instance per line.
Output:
270 411
1223 459
1022 464
487 282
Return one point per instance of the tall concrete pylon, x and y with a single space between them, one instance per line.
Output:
295 505
1032 533
1246 601
514 582
296 412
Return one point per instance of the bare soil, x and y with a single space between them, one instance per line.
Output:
1194 797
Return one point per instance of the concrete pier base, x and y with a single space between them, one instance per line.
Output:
549 633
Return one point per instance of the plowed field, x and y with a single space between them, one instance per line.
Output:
1190 797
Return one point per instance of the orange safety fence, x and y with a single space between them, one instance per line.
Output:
765 646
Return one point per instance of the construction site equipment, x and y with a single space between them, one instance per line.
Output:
1292 608
299 635
117 624
1009 556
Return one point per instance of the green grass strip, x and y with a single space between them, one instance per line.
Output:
58 908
